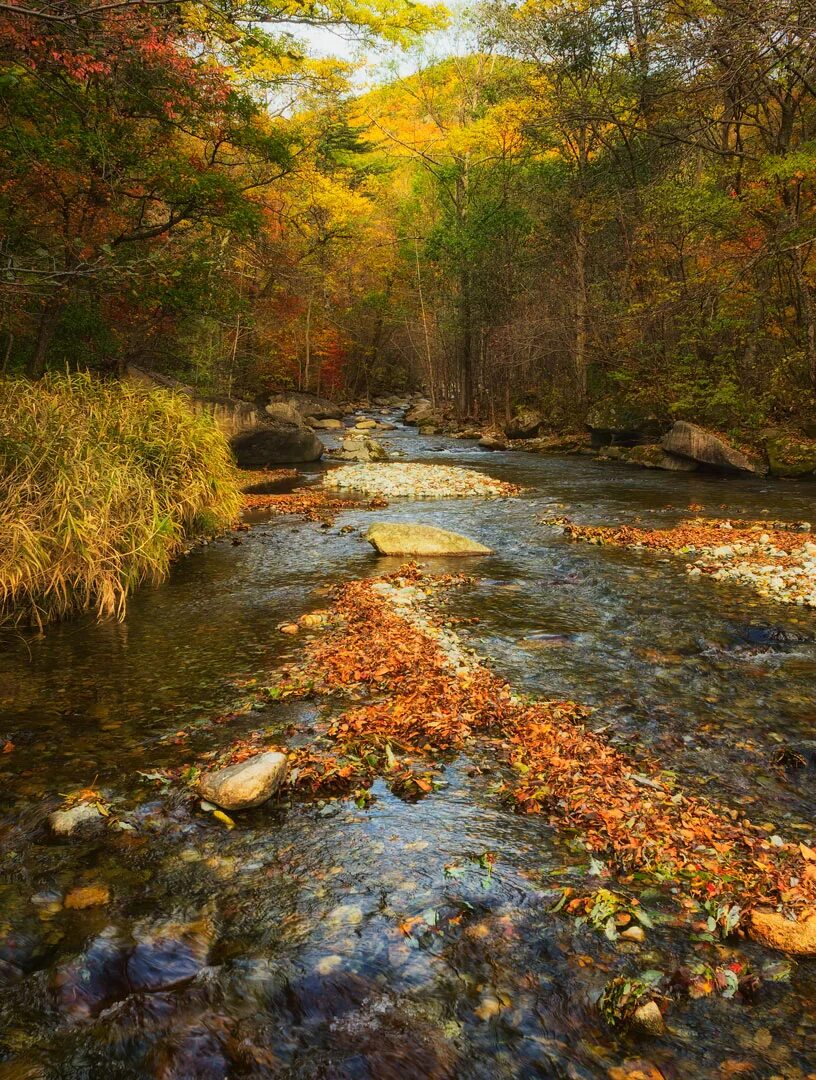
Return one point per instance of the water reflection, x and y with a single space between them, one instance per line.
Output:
339 942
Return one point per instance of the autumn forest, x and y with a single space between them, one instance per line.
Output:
407 540
581 200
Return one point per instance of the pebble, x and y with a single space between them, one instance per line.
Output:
395 479
633 933
787 577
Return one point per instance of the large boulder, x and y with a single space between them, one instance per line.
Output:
249 783
276 444
525 424
279 412
401 539
619 423
697 444
791 456
307 405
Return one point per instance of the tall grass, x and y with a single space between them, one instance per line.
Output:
101 484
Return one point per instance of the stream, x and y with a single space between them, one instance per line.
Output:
277 948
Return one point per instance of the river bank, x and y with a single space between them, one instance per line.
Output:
417 938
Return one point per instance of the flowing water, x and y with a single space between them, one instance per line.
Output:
278 949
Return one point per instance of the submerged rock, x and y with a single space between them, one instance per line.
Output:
167 954
649 1018
774 930
84 816
403 539
86 896
95 978
696 443
247 784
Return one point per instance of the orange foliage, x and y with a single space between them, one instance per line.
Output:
630 814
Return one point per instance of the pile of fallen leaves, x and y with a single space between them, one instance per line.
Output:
689 535
312 504
420 704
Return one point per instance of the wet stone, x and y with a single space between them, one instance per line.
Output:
247 784
166 955
84 986
80 818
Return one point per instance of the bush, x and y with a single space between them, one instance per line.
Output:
101 484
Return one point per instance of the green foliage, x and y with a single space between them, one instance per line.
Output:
102 485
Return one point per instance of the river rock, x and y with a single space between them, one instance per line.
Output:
249 783
420 413
82 817
324 425
85 985
282 413
655 457
365 425
690 441
777 932
276 444
791 456
492 442
649 1018
308 405
524 424
396 538
167 954
361 448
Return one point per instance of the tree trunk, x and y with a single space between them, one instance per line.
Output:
806 315
49 320
581 306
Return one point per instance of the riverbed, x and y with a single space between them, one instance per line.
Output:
394 939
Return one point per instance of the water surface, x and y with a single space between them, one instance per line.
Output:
279 949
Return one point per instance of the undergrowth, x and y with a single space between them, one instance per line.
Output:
101 485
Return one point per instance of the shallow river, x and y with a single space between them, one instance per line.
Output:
278 949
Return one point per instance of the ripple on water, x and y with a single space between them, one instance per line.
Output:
373 942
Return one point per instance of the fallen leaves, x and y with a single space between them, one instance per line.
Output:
420 707
776 561
309 504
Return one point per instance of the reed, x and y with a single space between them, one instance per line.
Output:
101 485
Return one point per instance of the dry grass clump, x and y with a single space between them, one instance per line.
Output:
101 484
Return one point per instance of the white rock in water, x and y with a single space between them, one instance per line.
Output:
66 822
402 539
249 783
